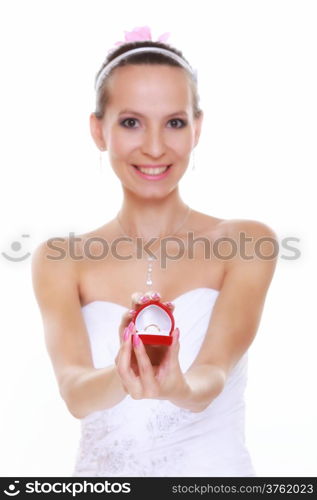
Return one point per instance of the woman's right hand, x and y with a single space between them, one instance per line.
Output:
155 353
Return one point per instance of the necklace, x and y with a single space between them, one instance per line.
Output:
150 259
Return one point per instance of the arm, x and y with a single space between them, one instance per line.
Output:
84 388
88 390
204 383
235 317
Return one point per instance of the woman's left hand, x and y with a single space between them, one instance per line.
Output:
165 381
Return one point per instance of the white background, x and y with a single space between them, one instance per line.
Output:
256 159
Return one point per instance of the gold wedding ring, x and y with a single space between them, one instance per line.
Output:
152 324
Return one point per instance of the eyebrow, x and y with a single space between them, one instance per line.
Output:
124 111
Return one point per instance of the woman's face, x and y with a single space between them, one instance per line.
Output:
148 121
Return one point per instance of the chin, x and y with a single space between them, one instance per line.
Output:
156 194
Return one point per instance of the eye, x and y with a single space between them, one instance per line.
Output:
129 120
183 122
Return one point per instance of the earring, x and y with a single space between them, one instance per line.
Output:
101 158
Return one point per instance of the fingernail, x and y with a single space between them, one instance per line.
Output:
143 299
126 334
131 312
156 295
136 340
130 326
169 304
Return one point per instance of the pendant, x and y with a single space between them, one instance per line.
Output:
149 280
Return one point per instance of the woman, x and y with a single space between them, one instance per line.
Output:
145 411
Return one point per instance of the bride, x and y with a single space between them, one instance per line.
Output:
148 120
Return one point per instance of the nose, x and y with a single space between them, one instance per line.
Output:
153 143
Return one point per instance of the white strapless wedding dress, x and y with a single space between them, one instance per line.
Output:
151 437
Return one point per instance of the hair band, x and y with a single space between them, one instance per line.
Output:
106 70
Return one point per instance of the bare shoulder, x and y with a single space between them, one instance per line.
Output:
253 238
235 237
255 252
67 252
54 253
53 273
251 227
231 228
58 261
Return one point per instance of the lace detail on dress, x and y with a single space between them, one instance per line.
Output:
113 458
105 452
118 458
165 419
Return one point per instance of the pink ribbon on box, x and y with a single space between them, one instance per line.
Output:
141 34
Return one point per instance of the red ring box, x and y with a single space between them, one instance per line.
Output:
154 316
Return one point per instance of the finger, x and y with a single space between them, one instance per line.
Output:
170 359
171 355
147 375
155 295
170 305
135 299
175 343
118 358
124 355
139 298
125 321
130 381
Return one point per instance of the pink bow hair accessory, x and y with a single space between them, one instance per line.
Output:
140 34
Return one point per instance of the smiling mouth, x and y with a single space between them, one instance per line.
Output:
152 171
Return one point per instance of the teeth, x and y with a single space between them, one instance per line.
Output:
152 171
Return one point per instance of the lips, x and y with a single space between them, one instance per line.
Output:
153 166
152 173
152 170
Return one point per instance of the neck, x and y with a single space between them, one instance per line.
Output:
152 218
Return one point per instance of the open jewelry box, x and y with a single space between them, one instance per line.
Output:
154 323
